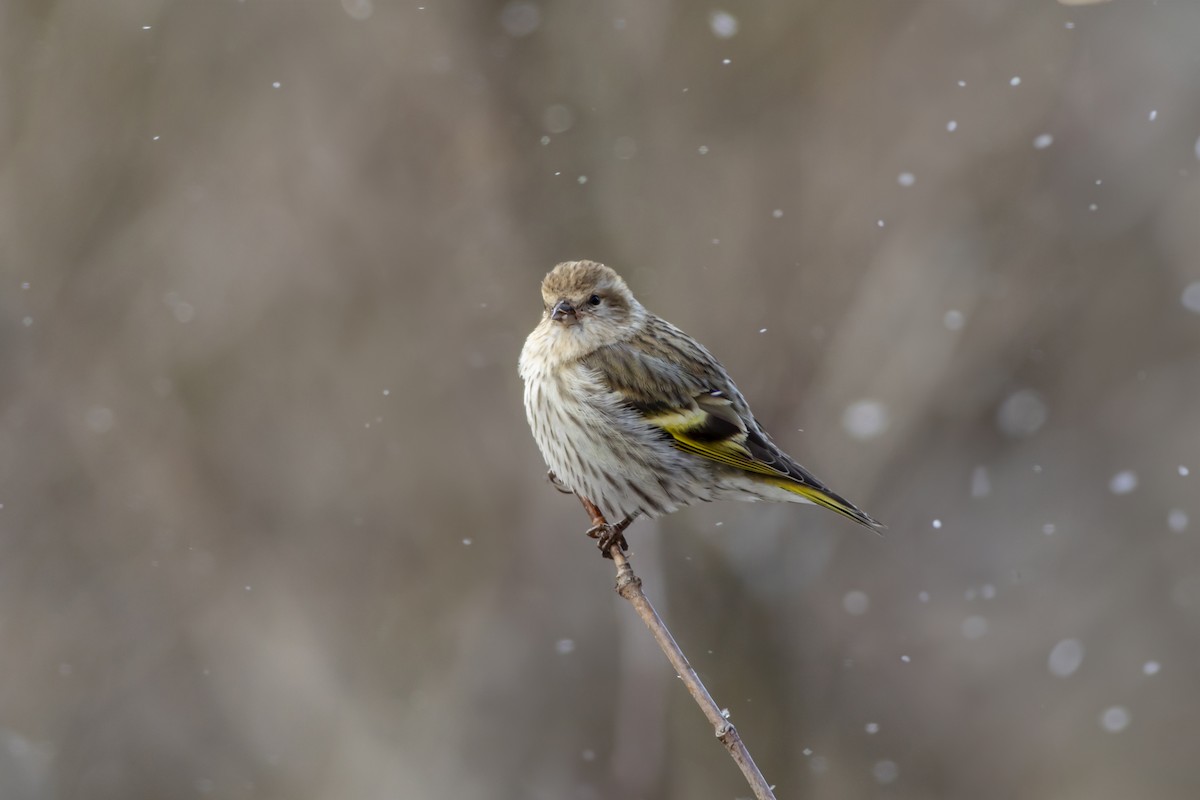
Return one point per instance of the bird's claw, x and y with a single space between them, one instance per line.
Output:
608 535
556 483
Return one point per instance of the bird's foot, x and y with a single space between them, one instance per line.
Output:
556 483
608 535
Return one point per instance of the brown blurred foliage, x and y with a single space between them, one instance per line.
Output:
273 525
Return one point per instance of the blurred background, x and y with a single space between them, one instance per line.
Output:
272 524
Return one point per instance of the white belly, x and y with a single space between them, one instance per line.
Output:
604 451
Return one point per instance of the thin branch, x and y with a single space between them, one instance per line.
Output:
629 586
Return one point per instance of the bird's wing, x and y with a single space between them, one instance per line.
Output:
678 387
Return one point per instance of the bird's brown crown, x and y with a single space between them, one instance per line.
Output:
574 279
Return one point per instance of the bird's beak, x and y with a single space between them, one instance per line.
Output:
564 312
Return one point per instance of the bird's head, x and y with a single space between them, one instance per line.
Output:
589 303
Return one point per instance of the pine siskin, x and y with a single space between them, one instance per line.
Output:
635 416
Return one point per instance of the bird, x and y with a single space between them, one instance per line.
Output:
638 419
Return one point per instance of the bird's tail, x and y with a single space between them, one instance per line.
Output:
821 496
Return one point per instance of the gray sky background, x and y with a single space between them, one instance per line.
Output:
273 525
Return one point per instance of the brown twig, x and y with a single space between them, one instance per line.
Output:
629 586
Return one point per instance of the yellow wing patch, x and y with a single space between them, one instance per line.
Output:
683 423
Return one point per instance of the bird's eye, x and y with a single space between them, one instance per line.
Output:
594 300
